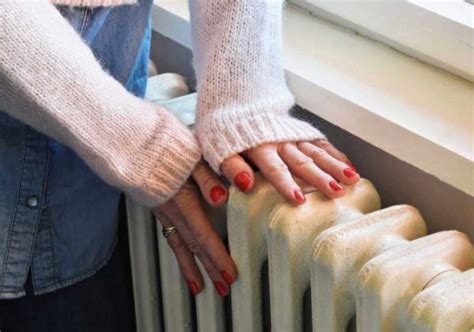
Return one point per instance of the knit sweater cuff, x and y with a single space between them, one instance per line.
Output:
175 160
228 132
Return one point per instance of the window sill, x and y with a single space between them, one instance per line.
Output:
412 110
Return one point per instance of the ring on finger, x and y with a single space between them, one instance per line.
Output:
168 231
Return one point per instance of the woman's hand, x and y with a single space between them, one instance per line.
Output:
195 235
318 163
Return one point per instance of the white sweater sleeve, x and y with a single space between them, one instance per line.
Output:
50 80
243 99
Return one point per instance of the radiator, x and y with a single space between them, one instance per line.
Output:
327 265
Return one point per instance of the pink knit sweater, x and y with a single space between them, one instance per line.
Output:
50 80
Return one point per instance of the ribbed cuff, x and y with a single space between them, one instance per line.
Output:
228 133
172 164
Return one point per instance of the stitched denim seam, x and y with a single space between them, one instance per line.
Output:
53 243
35 236
43 206
85 21
17 203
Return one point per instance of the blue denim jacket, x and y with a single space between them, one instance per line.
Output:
58 219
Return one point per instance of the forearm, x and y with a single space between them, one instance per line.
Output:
243 99
50 80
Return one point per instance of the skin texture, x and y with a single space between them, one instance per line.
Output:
318 163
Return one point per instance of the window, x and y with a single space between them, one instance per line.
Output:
437 32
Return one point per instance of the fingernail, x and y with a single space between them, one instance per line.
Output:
221 288
349 172
217 193
193 287
351 165
299 195
242 180
227 277
335 186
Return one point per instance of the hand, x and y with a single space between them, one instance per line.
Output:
318 163
195 234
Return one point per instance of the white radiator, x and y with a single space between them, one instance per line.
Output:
360 266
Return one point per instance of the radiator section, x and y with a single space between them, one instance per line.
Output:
377 267
365 268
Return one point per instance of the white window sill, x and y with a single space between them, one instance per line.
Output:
414 111
436 32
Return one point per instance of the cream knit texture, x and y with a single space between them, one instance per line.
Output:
243 99
51 80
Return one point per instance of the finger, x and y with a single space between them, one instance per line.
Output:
202 232
185 241
187 263
221 286
303 167
335 167
238 172
333 151
212 188
184 256
276 172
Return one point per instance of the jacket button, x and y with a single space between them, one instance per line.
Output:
32 201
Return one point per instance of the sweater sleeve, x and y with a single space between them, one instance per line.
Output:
243 99
50 80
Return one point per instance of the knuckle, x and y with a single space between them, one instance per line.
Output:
343 156
229 165
303 162
284 148
303 145
194 247
265 151
208 181
323 143
186 193
277 168
201 237
318 153
199 168
175 243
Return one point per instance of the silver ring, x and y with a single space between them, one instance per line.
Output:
168 231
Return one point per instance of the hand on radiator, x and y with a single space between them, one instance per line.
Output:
318 163
195 235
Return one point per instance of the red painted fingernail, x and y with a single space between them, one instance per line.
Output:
349 172
351 165
227 277
299 195
242 180
335 186
193 287
221 288
217 193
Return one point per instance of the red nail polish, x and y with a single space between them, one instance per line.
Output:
217 193
351 165
299 195
349 172
193 287
335 186
221 288
242 180
227 277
